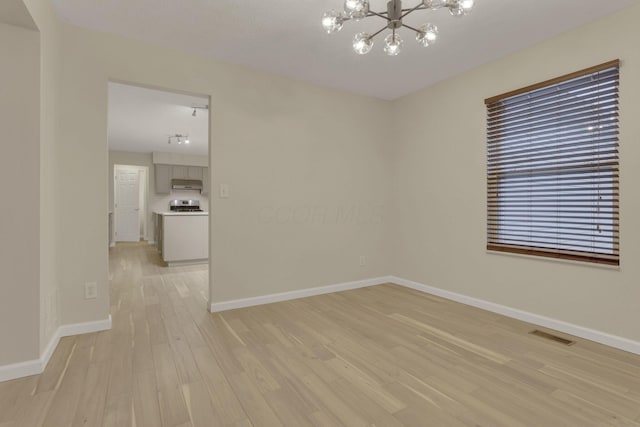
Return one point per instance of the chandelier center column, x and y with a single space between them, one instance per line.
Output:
394 14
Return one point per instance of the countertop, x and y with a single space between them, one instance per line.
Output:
182 213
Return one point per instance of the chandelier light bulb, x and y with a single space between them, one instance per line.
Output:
362 43
467 5
356 9
460 7
456 10
427 35
393 44
186 141
332 22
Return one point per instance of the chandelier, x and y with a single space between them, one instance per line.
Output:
356 10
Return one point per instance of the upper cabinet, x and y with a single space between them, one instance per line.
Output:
187 172
165 173
163 179
180 172
194 172
170 166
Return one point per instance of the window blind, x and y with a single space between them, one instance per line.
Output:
552 168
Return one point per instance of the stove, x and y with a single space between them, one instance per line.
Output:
185 206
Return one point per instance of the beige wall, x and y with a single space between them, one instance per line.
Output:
283 147
439 187
155 202
20 175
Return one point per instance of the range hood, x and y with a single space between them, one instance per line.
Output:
186 184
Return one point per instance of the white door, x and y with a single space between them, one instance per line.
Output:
127 204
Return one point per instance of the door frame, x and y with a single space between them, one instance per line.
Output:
209 177
143 184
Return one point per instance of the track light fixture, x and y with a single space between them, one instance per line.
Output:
180 139
198 107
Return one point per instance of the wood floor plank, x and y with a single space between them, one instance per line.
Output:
34 409
288 407
69 389
259 412
118 411
92 401
145 399
346 414
172 406
50 378
12 394
226 405
199 404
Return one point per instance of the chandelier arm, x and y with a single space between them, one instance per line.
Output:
408 11
380 15
377 32
411 28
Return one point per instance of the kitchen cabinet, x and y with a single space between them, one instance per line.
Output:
165 173
163 179
205 182
187 172
180 172
183 238
195 172
157 231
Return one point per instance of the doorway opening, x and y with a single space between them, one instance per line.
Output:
158 144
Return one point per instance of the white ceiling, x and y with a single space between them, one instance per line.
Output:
141 120
285 36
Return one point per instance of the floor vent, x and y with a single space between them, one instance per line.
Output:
552 337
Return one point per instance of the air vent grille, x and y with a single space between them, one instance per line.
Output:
552 337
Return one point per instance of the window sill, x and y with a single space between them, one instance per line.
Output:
555 260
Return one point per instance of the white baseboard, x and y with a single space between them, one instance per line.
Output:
302 293
19 370
37 366
187 262
547 322
85 328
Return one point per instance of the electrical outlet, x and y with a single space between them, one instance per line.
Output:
90 290
363 260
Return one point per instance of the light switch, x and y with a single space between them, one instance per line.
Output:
90 290
224 191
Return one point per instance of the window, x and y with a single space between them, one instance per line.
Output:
552 168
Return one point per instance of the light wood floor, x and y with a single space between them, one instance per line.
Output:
383 356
